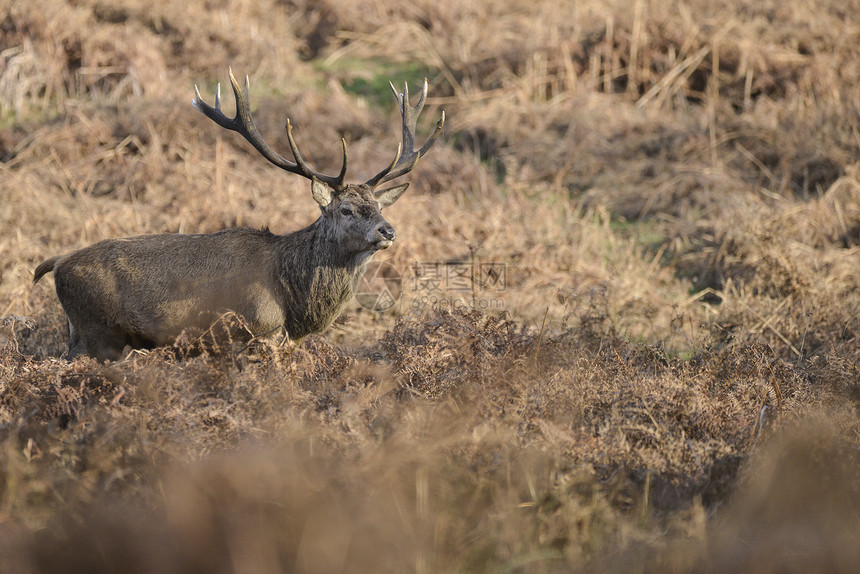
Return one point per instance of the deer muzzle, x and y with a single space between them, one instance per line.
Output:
385 236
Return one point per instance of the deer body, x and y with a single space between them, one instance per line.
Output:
144 291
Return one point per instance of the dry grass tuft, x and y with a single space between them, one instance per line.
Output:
564 453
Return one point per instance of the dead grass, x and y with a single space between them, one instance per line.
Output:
665 380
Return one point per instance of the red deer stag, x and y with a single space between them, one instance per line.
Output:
144 291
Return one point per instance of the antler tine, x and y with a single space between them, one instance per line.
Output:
407 157
243 124
300 160
342 175
336 182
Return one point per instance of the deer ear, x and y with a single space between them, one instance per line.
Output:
388 196
321 192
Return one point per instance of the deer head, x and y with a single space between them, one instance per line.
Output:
352 210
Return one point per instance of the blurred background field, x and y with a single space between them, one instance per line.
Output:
627 332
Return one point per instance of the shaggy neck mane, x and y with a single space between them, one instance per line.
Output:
320 285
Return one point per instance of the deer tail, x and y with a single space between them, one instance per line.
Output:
45 267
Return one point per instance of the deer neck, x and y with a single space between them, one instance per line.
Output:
317 278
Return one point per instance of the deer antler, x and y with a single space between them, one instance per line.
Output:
243 124
406 156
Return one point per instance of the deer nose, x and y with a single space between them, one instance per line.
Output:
386 232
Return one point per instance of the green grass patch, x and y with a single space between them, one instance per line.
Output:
369 79
644 232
